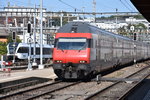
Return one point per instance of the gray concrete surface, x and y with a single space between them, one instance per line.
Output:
44 73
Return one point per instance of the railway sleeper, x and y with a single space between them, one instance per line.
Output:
18 86
127 80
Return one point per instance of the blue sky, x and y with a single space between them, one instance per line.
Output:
57 5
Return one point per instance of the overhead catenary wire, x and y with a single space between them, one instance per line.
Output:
18 1
129 5
25 3
72 7
69 5
126 5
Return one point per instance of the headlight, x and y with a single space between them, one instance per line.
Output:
82 61
58 61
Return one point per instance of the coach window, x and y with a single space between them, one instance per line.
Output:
95 44
26 50
49 50
22 50
55 42
38 51
32 51
46 51
90 43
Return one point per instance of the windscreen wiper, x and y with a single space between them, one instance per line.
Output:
82 47
62 50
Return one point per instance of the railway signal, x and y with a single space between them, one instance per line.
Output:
134 36
29 27
29 41
132 28
14 40
14 36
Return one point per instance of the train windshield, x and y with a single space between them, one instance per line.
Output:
12 47
72 43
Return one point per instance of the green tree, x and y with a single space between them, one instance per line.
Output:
122 31
140 25
138 16
3 45
3 48
9 39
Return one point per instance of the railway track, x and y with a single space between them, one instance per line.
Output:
119 90
6 87
70 90
37 91
84 89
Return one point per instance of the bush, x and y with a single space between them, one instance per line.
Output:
3 48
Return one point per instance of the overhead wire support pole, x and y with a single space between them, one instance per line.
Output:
23 30
94 10
116 26
61 19
41 66
83 13
34 33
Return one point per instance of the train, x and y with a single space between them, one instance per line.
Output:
81 50
19 52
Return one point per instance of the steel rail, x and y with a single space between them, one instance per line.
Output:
109 87
27 90
126 93
50 91
11 87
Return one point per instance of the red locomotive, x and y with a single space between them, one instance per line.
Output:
82 49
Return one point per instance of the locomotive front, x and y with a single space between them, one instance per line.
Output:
71 56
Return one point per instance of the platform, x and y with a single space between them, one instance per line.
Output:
43 73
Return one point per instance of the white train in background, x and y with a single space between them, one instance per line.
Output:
20 52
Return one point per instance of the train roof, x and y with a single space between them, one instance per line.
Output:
37 45
81 27
85 27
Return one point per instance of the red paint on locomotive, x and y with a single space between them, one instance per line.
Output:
73 56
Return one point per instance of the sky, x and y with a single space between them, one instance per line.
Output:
80 5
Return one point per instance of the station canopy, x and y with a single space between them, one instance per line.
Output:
143 6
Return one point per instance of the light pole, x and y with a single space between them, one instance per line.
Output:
23 31
41 66
116 20
34 33
61 19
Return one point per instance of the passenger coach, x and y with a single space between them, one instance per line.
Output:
20 51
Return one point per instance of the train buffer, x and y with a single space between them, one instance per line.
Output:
99 78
